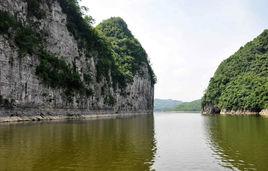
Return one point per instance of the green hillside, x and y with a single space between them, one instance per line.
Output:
165 104
241 81
189 106
127 51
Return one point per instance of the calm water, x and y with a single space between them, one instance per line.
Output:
165 141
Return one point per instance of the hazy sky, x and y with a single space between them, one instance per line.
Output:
186 39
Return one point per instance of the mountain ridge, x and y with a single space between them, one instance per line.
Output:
165 104
193 106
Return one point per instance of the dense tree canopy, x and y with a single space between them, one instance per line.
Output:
241 81
128 52
189 106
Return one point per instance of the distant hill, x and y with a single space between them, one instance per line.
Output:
189 106
165 104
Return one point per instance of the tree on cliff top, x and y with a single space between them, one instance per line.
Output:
129 54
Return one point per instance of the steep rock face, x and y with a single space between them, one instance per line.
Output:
31 83
240 84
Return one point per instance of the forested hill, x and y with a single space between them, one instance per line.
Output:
129 55
241 81
175 105
165 104
194 106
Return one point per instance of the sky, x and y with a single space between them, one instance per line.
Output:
186 40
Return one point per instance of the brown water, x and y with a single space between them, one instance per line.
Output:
165 141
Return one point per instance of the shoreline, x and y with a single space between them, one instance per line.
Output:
179 111
211 110
263 113
39 118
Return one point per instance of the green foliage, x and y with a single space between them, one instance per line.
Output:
246 92
76 24
6 103
54 71
152 74
109 100
249 63
115 27
87 78
121 55
27 40
89 39
34 9
1 100
129 54
58 74
82 29
189 106
89 20
6 21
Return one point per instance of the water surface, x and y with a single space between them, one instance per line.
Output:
165 141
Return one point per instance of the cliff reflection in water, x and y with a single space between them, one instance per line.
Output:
239 142
116 144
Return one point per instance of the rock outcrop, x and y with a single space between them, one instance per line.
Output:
49 67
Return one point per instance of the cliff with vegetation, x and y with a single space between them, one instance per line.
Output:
54 62
240 84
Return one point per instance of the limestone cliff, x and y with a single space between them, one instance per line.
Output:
52 62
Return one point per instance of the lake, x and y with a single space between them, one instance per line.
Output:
165 141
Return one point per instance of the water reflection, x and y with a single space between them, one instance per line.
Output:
239 142
182 143
118 144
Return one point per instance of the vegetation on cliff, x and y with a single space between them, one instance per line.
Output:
34 9
122 63
241 81
55 71
27 40
128 52
91 41
59 74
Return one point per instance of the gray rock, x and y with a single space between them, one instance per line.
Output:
29 96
